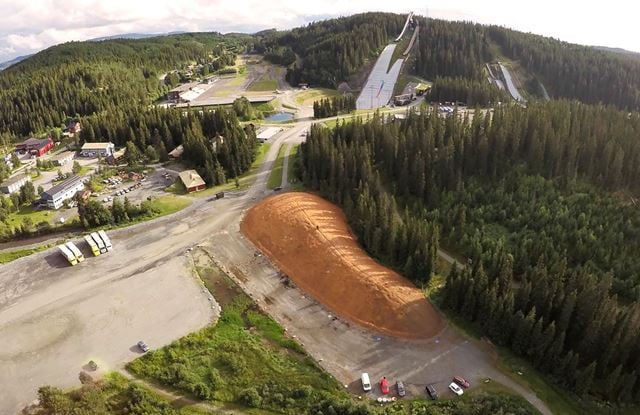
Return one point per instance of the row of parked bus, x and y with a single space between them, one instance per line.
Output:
99 243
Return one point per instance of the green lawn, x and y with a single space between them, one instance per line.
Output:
167 205
36 215
263 85
6 257
244 358
245 180
307 97
275 177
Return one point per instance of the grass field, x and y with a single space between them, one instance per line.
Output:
6 257
275 177
263 85
167 205
308 96
245 180
34 214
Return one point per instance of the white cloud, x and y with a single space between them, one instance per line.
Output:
29 26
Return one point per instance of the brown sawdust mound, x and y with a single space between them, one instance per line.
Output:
309 240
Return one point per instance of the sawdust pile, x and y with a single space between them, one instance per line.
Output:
309 239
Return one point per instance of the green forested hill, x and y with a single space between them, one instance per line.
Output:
331 50
83 78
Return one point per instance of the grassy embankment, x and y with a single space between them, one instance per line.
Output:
6 257
292 178
275 177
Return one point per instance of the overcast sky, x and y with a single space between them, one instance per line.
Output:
31 25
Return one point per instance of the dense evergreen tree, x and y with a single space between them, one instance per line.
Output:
330 107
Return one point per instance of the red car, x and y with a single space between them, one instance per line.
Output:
384 385
461 381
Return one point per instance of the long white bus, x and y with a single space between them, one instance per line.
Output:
98 241
105 239
92 244
75 251
68 254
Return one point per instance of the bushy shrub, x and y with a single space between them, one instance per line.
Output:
250 397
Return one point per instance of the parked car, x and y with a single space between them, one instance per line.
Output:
143 346
431 391
400 388
366 383
455 388
461 381
384 385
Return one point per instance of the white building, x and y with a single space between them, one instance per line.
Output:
55 197
267 133
14 184
97 149
62 158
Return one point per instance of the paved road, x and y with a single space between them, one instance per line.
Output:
58 317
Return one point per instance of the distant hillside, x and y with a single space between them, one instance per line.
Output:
6 64
628 53
134 36
82 78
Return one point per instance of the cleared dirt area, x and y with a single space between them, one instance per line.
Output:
311 242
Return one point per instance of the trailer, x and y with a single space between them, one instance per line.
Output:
98 241
219 195
67 254
92 244
75 251
105 239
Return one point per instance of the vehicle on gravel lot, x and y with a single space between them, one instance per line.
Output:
456 389
431 391
384 385
366 383
461 381
143 346
277 189
400 388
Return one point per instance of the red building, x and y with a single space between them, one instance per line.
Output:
35 146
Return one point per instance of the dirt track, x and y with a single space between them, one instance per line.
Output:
311 242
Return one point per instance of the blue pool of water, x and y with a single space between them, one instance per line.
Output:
280 116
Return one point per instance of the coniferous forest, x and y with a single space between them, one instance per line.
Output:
82 78
540 201
331 50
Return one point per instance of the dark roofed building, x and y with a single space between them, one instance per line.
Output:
35 146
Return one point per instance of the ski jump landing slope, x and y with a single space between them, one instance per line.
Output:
378 90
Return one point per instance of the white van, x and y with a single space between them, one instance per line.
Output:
366 383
